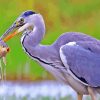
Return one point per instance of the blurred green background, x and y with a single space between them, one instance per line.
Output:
60 16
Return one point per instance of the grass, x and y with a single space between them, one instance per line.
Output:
41 98
38 98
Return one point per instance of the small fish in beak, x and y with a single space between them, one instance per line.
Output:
4 49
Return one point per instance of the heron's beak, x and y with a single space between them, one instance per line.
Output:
16 26
8 32
13 27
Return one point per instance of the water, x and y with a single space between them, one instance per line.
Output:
46 90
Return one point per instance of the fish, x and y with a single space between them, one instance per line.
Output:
4 49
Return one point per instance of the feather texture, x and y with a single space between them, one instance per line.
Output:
83 60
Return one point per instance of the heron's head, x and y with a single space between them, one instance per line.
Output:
24 21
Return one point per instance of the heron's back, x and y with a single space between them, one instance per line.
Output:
73 36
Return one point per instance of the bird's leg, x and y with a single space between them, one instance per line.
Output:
92 93
79 96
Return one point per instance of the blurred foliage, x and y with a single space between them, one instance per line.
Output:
60 16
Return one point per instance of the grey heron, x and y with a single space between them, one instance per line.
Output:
74 58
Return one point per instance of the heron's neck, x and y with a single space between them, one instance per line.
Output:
34 38
37 35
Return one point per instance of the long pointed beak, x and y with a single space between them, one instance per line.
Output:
7 32
10 36
6 36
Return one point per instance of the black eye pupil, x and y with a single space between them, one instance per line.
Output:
22 20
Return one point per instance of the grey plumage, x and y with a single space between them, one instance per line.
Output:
73 57
84 62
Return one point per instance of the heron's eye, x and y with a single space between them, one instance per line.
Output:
22 20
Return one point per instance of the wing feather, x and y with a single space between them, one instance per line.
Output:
83 59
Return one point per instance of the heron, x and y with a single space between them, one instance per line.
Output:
74 58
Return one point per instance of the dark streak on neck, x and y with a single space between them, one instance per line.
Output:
32 55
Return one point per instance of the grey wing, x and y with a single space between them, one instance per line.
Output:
82 59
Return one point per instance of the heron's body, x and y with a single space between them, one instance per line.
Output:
74 58
53 63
